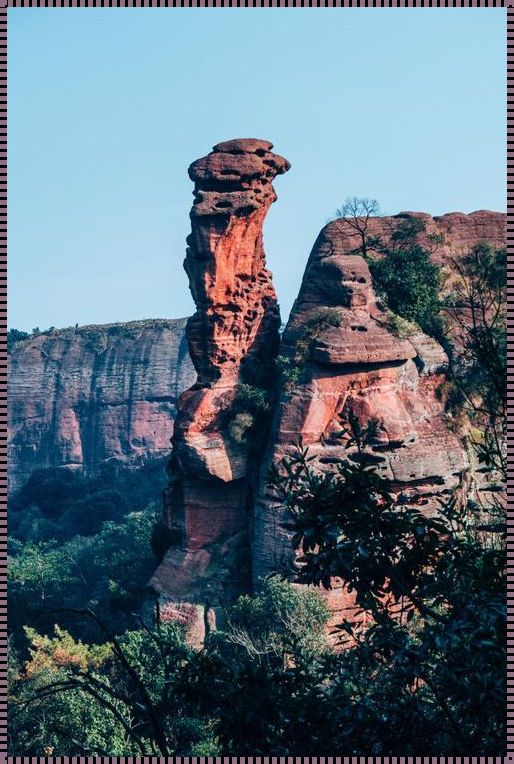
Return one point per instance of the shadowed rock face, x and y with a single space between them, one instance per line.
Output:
233 337
80 397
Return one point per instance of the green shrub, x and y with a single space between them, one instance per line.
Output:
59 503
279 620
249 414
289 371
252 399
15 338
409 283
241 426
83 572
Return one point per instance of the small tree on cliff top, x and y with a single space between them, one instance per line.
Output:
353 218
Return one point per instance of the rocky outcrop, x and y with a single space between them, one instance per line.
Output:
351 361
80 397
446 237
355 362
233 339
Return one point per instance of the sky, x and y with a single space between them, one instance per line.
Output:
108 107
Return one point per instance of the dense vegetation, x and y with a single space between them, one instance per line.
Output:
61 503
15 337
72 539
427 674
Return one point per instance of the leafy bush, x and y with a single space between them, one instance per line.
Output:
477 340
249 414
430 670
15 337
289 371
121 698
241 426
410 285
278 621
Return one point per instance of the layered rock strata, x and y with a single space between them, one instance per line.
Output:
355 365
233 338
81 397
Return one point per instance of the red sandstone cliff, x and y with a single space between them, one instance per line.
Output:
233 338
80 397
361 367
219 508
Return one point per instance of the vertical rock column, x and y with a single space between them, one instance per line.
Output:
233 338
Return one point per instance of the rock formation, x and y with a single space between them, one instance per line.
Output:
80 397
356 364
233 339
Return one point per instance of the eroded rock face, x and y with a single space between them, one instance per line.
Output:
356 365
233 338
446 237
80 397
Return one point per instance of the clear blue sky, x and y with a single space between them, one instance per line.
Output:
108 107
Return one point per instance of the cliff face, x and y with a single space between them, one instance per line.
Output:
219 507
356 365
79 397
233 339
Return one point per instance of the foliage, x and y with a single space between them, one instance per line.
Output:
348 525
400 326
84 572
426 672
15 337
51 709
168 698
430 671
410 285
477 311
401 269
288 370
249 414
352 219
263 679
126 693
50 653
60 503
277 622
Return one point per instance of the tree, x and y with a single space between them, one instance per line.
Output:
119 698
477 334
432 674
409 283
264 678
401 268
84 572
60 503
278 622
353 218
15 337
52 710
